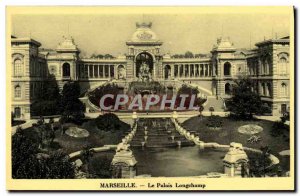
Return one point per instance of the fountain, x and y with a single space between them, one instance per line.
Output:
158 132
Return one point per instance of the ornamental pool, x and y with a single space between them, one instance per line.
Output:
174 162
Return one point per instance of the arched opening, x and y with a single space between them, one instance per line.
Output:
121 72
167 72
227 89
17 67
282 65
144 64
66 70
17 112
227 69
176 71
17 91
283 90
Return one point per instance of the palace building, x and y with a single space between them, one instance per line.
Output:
267 64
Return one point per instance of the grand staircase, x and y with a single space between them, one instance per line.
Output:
158 132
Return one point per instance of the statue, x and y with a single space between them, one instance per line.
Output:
144 73
121 73
121 147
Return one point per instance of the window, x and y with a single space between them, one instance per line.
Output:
227 69
18 67
176 71
17 112
283 90
66 70
17 91
282 65
167 72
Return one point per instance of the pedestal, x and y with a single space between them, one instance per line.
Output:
124 165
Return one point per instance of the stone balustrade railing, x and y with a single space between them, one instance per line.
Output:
127 139
189 136
104 148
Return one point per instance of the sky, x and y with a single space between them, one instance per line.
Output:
107 34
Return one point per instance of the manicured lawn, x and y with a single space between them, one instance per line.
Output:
96 137
229 133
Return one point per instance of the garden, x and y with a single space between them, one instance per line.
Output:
252 133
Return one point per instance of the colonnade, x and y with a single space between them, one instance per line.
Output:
97 71
187 70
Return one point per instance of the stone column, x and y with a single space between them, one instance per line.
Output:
189 67
88 66
108 71
115 71
194 70
172 71
93 66
181 68
98 70
103 71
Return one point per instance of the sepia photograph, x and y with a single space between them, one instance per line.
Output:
141 98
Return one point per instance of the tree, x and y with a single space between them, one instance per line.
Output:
108 122
201 108
244 102
29 163
86 154
48 100
45 133
23 152
101 168
71 106
188 54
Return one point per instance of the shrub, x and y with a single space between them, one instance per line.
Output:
279 128
29 163
214 121
108 122
100 168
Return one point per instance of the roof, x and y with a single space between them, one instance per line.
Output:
67 44
285 40
224 44
144 35
25 40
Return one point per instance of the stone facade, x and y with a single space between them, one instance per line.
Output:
267 64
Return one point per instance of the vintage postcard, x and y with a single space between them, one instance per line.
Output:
150 98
